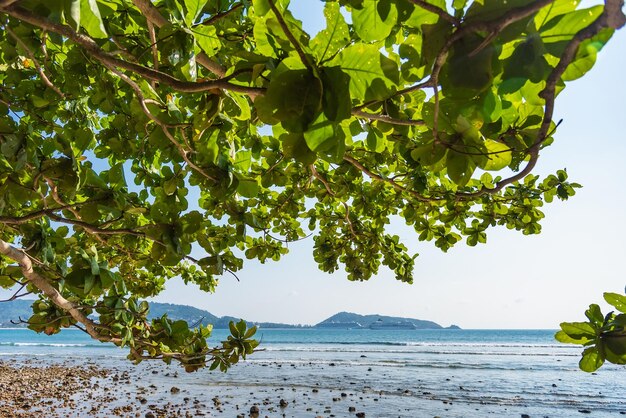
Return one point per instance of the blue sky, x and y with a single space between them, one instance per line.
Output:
514 281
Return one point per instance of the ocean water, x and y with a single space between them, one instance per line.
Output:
500 372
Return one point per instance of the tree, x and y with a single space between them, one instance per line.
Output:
133 132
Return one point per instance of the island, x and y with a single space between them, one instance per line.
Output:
15 313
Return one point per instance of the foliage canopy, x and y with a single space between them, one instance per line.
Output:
133 133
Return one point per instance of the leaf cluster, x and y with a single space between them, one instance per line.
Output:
604 336
135 135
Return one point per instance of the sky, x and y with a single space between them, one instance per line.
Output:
513 281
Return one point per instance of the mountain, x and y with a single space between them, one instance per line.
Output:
12 311
348 320
20 308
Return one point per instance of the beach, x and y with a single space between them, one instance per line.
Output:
307 374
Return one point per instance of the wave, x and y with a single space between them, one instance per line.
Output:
419 344
437 352
410 364
24 344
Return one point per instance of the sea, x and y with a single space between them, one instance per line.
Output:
396 373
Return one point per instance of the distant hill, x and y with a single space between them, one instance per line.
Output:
20 308
12 311
348 320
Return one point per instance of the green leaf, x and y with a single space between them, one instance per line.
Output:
565 26
420 16
247 187
586 55
561 336
295 146
336 97
459 4
323 134
91 20
375 19
592 360
375 141
334 36
616 300
293 97
243 161
526 63
75 12
558 7
207 39
582 331
372 75
90 281
614 344
170 186
251 331
498 156
95 268
469 69
107 278
460 167
233 329
594 314
194 8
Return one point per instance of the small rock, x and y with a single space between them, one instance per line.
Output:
174 389
283 403
360 414
584 411
254 409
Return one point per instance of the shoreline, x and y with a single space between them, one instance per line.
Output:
51 387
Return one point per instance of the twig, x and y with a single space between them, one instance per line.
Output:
387 119
292 39
98 53
51 293
611 17
16 295
436 10
31 55
155 51
164 127
153 15
395 185
221 15
18 220
321 179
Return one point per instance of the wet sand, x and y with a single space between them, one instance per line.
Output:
49 387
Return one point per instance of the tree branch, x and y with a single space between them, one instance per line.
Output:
98 53
611 17
395 185
51 292
152 15
19 220
221 15
31 55
164 127
387 119
436 10
289 35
